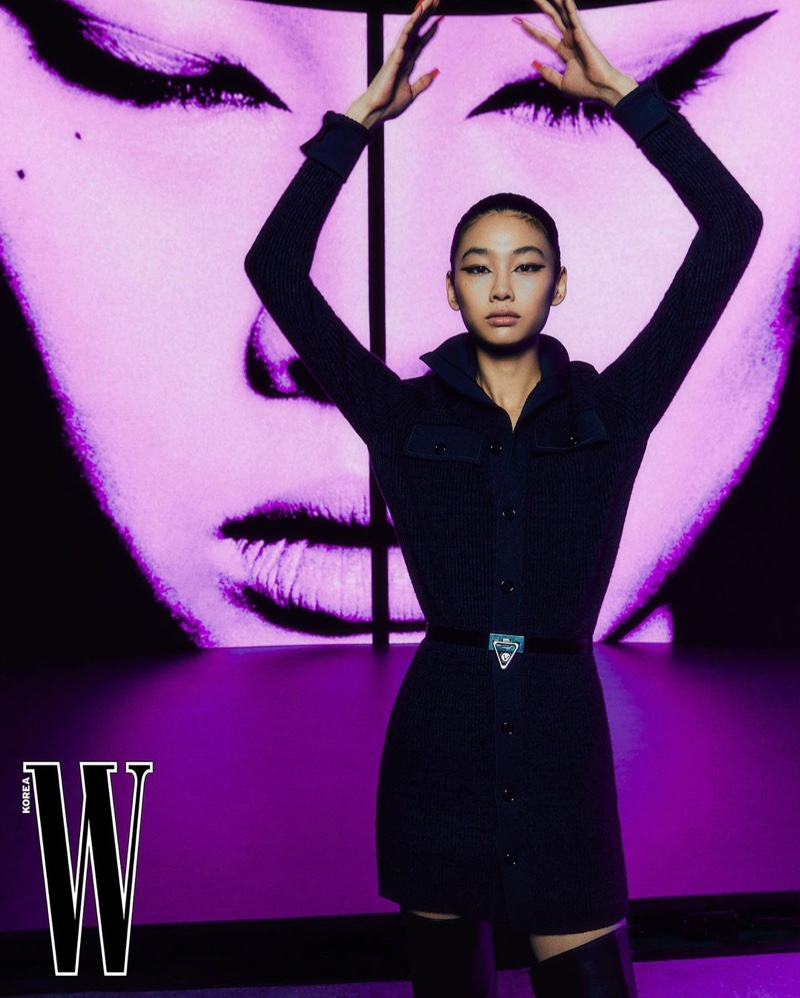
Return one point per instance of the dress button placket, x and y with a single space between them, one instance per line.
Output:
513 841
510 777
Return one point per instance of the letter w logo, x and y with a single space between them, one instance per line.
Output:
66 888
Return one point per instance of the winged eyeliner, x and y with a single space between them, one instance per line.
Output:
676 78
63 39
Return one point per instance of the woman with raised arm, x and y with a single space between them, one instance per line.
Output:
507 470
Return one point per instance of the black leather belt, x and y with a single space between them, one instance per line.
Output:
506 646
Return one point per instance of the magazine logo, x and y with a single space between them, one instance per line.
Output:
66 887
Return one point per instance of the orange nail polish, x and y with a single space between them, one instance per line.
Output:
536 65
434 73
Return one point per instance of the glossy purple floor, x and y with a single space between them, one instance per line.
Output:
261 801
774 976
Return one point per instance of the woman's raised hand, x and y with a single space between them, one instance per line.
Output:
587 74
391 90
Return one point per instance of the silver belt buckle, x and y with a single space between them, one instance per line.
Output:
506 647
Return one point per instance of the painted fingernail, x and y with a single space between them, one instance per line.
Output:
536 65
434 73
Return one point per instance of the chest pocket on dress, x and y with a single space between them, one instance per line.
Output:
587 428
444 443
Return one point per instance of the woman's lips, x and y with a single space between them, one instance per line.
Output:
502 318
310 569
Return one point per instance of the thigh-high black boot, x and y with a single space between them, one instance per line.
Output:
450 957
601 968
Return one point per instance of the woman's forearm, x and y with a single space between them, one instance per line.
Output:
649 372
279 264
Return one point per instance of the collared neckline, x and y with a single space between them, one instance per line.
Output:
455 362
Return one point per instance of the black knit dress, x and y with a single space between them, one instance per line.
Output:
496 795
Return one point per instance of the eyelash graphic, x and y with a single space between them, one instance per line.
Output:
124 65
677 79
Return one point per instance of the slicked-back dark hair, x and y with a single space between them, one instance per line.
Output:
517 204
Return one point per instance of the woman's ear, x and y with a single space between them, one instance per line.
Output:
452 297
560 289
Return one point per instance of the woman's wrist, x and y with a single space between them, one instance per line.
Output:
363 113
618 88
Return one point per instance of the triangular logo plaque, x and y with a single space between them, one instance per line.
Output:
506 647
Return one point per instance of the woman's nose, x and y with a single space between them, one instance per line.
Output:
272 366
501 289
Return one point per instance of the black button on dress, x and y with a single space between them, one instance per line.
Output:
496 795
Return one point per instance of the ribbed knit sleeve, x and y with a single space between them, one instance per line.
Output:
279 262
649 372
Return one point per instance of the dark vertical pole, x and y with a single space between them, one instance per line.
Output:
377 325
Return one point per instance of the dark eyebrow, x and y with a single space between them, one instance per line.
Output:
485 252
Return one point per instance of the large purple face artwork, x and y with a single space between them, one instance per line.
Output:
145 142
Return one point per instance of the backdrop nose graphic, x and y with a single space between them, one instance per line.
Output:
272 366
66 887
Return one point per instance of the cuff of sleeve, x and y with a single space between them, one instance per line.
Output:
641 111
338 144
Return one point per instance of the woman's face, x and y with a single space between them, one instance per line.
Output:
503 280
125 218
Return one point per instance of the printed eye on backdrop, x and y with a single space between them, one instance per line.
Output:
114 61
533 100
